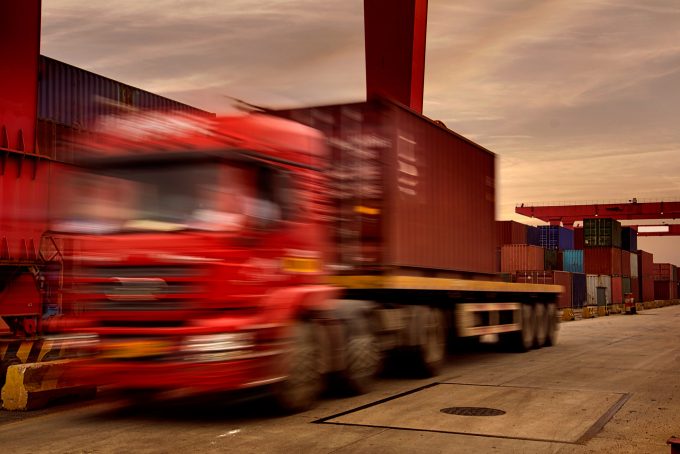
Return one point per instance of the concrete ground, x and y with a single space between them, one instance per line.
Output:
612 384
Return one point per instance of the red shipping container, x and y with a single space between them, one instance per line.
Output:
625 263
663 272
521 257
579 238
663 290
602 260
433 190
511 232
562 278
647 289
645 264
635 288
617 290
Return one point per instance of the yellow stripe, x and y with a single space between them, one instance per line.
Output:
3 350
45 349
436 283
24 351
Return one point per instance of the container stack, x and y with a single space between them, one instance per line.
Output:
537 255
603 261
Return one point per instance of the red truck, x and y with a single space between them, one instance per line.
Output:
256 251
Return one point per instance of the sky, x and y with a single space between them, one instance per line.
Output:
580 99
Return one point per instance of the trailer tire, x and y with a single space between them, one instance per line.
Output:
541 325
551 333
303 382
431 352
522 340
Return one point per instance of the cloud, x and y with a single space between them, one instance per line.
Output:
579 98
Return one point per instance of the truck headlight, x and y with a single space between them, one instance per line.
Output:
215 347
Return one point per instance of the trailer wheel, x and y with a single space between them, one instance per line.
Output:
541 325
303 381
522 340
363 363
551 321
432 349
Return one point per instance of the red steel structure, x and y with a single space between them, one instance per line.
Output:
395 50
23 173
19 50
568 214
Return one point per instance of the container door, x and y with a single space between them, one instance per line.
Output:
602 296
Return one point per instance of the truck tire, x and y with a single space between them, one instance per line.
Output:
551 316
363 361
431 352
522 340
541 324
303 382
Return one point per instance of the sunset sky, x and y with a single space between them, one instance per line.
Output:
580 99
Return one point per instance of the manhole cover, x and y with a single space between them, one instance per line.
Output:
472 411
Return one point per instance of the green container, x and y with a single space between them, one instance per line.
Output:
602 232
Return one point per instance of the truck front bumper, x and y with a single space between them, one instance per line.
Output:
192 376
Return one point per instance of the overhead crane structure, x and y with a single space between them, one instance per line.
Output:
567 214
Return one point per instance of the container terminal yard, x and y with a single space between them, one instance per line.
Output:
322 278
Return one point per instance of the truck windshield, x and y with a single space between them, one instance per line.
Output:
204 196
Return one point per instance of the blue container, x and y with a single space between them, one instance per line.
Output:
572 260
74 97
578 290
555 237
533 236
628 239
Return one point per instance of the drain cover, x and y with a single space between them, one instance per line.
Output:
472 411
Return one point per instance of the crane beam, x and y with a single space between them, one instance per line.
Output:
568 214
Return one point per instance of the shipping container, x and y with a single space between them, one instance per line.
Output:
521 257
533 236
634 272
579 292
511 232
647 289
579 239
629 239
663 290
431 190
601 232
626 285
72 96
572 260
599 289
663 272
552 260
625 263
645 264
617 290
555 237
550 277
602 260
635 288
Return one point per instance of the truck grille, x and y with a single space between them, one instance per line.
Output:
142 288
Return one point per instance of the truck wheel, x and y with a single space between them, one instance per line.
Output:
551 333
303 381
541 324
432 349
363 363
522 340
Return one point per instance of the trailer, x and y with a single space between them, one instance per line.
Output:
257 252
